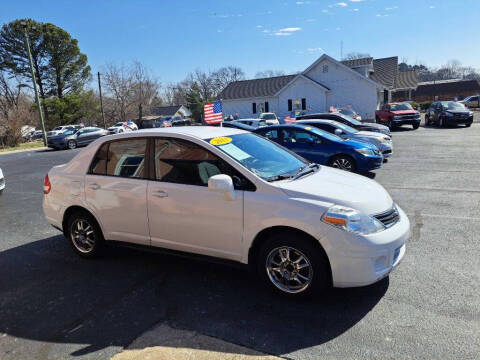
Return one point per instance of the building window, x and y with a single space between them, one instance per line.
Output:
260 107
289 104
266 106
325 69
254 108
304 104
297 105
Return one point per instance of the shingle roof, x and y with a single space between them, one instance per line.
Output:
406 79
385 71
357 62
255 88
450 87
166 110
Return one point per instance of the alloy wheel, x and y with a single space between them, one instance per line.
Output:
342 164
72 144
82 236
289 269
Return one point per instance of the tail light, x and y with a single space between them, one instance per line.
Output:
47 186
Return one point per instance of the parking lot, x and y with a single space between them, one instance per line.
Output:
55 305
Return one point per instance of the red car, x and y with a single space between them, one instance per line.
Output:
398 114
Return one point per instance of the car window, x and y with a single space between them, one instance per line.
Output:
126 158
183 162
271 134
299 137
99 163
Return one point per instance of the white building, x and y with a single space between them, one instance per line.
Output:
362 84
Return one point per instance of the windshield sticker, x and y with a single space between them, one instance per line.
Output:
235 152
222 140
308 128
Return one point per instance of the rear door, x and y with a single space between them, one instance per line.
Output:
116 190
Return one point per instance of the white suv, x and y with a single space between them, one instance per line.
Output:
230 194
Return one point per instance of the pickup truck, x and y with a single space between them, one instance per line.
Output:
398 114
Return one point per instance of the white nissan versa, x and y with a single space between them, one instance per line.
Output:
231 194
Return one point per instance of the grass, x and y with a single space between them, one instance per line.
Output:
24 146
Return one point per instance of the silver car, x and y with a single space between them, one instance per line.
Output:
382 141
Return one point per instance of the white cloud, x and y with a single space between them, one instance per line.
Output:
341 4
259 26
325 11
290 29
357 0
432 6
283 33
315 50
303 2
391 8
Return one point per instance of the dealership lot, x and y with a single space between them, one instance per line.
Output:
56 305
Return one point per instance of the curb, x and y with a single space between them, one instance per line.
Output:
43 148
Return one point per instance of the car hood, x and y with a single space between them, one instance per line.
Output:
368 125
341 188
404 112
371 134
358 144
460 112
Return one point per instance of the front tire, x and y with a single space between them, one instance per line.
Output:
72 144
427 120
468 124
343 162
84 234
291 265
415 126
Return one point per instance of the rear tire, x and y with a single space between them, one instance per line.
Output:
342 162
84 234
72 144
289 264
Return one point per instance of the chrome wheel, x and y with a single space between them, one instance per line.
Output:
342 164
72 144
82 236
289 269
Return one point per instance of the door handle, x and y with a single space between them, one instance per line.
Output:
160 194
94 186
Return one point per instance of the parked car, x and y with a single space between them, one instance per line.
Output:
37 135
347 120
237 125
398 114
349 112
381 141
230 194
2 182
471 101
118 128
270 118
71 139
445 113
324 148
251 122
60 129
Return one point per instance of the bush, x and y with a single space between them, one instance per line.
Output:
425 105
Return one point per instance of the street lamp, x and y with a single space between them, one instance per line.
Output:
37 97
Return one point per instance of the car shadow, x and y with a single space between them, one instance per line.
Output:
369 174
49 294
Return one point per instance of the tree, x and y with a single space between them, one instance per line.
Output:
59 65
269 73
224 76
356 55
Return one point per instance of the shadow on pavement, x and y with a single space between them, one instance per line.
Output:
49 294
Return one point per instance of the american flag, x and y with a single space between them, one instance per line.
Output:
290 118
213 112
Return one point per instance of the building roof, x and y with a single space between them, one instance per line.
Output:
166 110
385 71
406 79
358 62
255 88
447 87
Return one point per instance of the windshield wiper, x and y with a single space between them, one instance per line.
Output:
304 170
277 178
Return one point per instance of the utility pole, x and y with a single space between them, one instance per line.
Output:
101 100
37 97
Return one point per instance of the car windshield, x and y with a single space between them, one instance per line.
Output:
267 117
399 107
346 128
350 119
452 105
347 112
58 128
259 155
118 124
323 134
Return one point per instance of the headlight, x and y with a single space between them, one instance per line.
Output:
385 140
352 220
365 152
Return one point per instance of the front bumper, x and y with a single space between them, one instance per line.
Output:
398 122
455 120
56 145
2 183
367 163
377 256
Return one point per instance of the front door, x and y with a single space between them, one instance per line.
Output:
305 144
183 214
116 190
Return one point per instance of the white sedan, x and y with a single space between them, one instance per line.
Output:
2 182
230 194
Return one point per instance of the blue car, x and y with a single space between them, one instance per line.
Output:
324 148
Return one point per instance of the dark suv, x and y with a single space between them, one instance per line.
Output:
445 113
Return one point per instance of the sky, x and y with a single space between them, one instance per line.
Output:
173 38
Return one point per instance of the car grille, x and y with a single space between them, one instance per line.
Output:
408 117
388 218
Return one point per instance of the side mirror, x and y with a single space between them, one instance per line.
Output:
338 132
222 184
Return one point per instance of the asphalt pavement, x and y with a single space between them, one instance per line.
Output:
55 305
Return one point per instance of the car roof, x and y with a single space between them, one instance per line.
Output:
318 121
201 132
